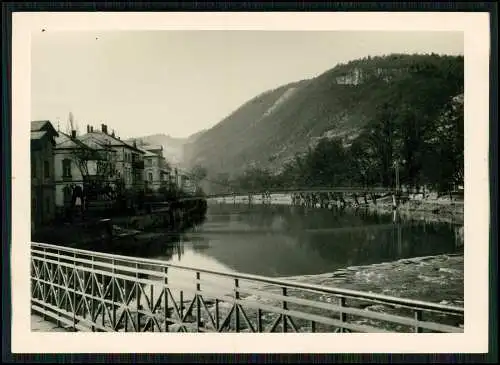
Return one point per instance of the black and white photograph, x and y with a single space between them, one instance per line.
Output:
250 180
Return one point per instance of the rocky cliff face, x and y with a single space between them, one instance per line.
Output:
274 126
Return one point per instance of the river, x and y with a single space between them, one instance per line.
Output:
285 241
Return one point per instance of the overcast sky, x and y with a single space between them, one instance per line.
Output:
179 82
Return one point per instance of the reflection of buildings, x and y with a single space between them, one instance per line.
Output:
459 236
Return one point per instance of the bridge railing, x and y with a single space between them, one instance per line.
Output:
347 189
90 291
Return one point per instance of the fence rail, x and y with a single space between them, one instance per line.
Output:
91 291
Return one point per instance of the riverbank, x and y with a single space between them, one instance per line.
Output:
128 233
437 279
432 209
443 209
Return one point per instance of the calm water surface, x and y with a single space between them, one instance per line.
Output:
285 240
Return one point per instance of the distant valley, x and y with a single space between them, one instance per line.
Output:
173 148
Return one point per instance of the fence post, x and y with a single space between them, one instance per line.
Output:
198 309
343 316
138 298
44 286
237 309
165 295
418 318
217 324
259 320
113 294
103 298
58 300
92 293
284 305
74 291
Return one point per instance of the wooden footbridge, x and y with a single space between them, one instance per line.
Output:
90 291
313 190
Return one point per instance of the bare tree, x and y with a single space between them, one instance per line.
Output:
98 167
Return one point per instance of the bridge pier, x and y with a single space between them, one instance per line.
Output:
356 202
394 201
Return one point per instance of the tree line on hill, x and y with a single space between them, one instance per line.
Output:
414 136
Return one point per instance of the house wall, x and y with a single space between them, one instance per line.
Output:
152 166
126 168
76 178
42 188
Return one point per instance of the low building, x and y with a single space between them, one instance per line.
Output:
42 146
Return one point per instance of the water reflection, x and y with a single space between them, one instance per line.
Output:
290 240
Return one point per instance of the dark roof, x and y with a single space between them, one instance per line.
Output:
153 147
104 138
147 153
38 139
35 135
43 125
66 137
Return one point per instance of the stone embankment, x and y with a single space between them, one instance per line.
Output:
443 209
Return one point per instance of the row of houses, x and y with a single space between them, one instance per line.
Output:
61 162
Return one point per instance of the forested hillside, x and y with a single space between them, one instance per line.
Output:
351 125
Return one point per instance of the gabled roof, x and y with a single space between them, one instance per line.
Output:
37 135
43 125
64 141
104 139
147 153
38 139
153 147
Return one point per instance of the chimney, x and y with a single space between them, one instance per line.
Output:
135 144
113 133
88 128
73 134
104 128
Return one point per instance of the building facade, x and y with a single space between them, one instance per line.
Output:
157 172
42 146
129 159
73 164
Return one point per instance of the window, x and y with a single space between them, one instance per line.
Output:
150 176
148 162
46 171
66 165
